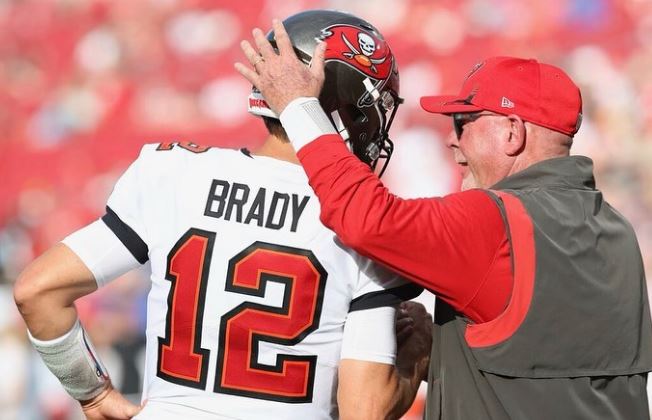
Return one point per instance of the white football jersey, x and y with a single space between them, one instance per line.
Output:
250 292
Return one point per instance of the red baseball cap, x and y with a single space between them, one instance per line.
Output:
539 93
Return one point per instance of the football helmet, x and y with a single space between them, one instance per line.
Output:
361 87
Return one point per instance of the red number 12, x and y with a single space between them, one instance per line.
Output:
181 359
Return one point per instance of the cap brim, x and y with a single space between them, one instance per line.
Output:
446 104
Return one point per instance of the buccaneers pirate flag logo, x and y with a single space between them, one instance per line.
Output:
362 50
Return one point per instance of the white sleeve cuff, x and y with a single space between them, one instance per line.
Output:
369 335
304 120
101 251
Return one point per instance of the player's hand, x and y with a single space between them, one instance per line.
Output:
110 404
413 339
281 77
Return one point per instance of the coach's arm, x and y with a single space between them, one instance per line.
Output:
45 293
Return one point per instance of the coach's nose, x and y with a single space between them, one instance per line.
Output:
451 140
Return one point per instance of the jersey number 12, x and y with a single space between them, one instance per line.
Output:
183 361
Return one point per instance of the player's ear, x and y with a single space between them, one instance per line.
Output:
517 136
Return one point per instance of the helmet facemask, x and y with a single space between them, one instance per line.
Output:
380 149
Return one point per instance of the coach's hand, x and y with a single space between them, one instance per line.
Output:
110 404
281 77
413 339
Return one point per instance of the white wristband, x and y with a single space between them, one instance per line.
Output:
304 120
101 251
73 360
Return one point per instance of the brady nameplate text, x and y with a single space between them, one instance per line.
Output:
237 202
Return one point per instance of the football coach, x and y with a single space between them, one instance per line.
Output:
542 308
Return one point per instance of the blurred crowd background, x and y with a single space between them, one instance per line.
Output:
84 83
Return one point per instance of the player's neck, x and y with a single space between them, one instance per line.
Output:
277 149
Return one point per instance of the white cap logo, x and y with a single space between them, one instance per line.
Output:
506 103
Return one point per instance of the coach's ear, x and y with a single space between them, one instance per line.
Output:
517 133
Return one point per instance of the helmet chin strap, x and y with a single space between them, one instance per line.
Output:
339 125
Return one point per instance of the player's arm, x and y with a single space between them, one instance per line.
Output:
369 390
373 384
46 290
45 293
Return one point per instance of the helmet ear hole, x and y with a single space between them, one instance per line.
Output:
356 123
360 118
353 114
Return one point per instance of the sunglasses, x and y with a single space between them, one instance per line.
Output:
460 119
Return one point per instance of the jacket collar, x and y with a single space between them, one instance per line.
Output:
569 171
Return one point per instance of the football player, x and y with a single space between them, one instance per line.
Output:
254 304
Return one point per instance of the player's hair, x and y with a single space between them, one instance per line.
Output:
275 128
